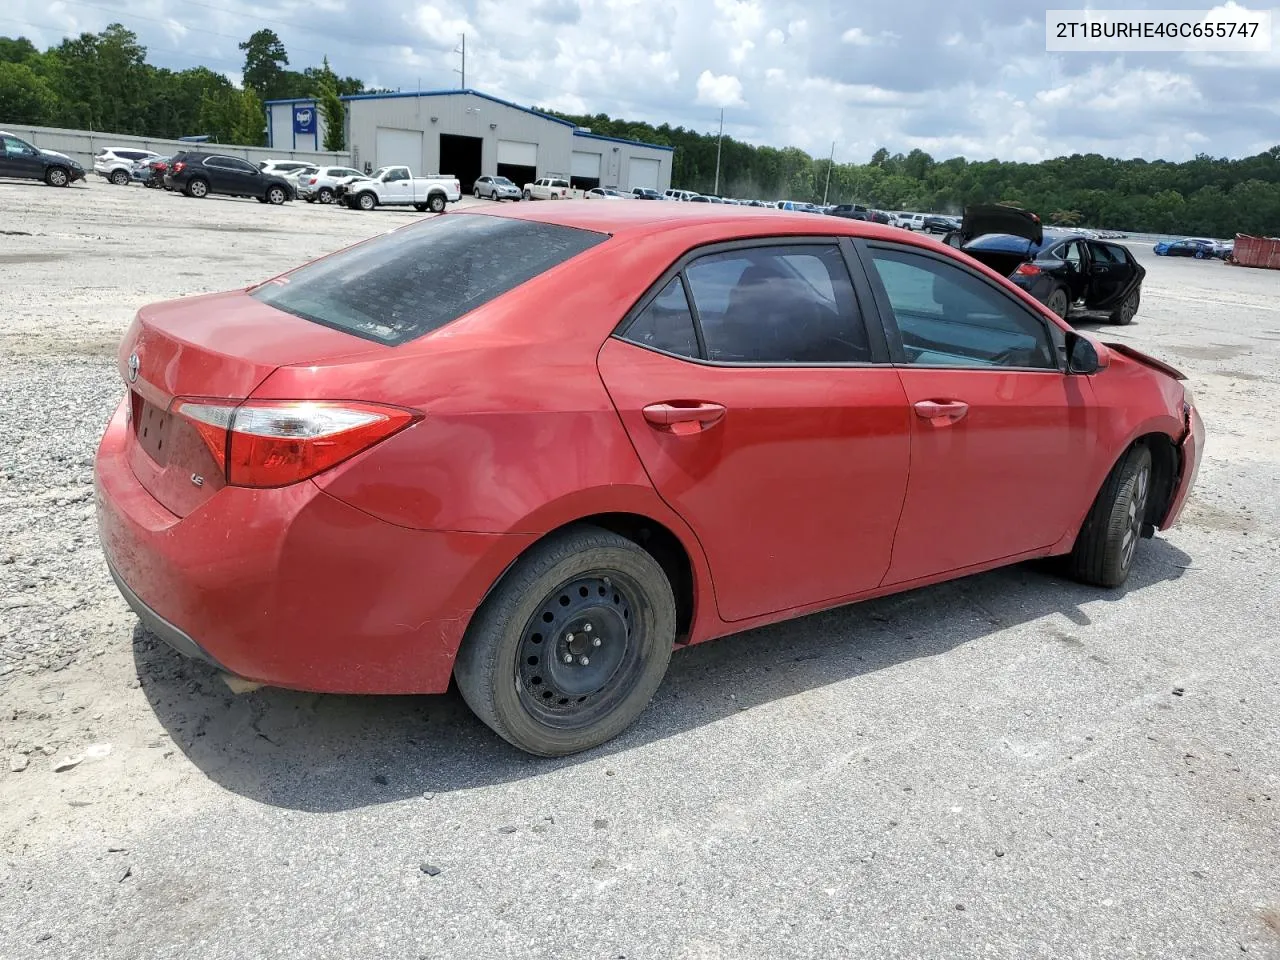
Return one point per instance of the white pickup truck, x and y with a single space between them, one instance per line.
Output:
397 186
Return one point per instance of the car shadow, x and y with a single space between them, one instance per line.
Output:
321 752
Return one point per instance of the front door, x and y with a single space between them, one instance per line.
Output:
790 472
1001 439
19 159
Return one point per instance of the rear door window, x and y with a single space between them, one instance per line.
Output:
791 303
414 280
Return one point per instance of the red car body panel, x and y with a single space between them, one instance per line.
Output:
797 488
818 486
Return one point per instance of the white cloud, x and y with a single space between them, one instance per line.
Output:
436 26
719 91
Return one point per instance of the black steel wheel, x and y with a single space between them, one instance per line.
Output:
570 646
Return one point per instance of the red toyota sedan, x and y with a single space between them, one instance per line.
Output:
533 448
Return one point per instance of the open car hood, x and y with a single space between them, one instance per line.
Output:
997 218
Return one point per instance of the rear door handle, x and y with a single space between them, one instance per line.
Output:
941 411
683 418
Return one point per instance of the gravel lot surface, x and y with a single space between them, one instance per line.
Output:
1009 765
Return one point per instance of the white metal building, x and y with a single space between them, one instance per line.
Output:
470 134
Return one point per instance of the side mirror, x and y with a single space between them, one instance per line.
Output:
952 239
1082 357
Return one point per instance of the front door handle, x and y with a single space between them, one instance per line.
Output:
684 417
941 411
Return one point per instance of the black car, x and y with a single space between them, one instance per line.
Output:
25 161
937 223
850 211
1067 272
200 174
645 193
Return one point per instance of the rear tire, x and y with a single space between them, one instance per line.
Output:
1105 547
436 202
325 195
1059 302
528 194
57 177
588 584
119 177
476 193
420 207
1123 315
198 188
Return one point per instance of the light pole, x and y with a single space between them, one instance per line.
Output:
716 189
830 163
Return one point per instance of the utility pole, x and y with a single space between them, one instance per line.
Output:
830 163
716 188
463 51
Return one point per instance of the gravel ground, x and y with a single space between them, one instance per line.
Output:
1009 765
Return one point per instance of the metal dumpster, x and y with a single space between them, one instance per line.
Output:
1256 251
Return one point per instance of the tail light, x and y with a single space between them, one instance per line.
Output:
273 443
179 166
312 181
1027 270
457 186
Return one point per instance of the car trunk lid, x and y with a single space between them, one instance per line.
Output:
217 347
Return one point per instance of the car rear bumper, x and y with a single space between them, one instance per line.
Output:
1191 451
292 587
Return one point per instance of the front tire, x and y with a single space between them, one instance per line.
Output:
1105 547
325 195
57 177
366 201
277 196
586 594
119 177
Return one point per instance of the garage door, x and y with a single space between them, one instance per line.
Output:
644 173
400 146
586 165
517 153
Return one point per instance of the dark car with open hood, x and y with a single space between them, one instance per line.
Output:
1070 273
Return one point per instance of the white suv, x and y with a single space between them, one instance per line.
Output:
321 184
912 221
547 188
678 195
116 163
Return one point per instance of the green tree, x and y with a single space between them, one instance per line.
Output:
264 61
24 95
335 115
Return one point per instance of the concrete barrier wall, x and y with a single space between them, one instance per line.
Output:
83 144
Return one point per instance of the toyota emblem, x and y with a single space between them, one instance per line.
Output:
134 364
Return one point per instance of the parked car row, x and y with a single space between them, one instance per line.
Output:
1198 247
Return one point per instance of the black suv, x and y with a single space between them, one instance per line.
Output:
28 162
200 174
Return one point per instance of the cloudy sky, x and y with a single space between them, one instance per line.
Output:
968 79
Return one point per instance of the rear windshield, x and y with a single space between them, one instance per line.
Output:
407 283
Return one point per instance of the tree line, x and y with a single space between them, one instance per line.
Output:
103 82
1208 196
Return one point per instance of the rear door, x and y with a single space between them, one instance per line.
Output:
1002 438
1112 274
1072 253
758 400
